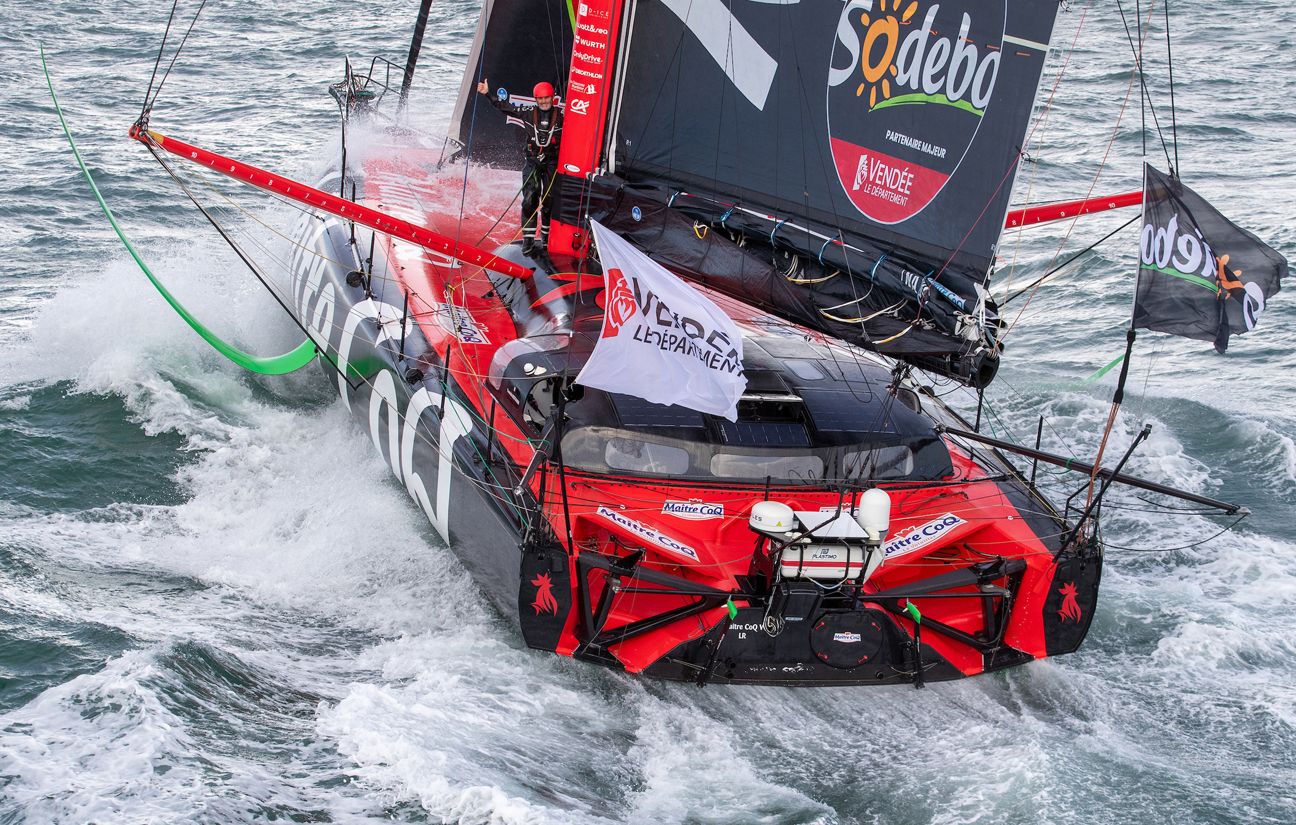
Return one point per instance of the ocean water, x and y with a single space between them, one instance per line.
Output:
216 606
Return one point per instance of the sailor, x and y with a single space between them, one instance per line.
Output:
543 124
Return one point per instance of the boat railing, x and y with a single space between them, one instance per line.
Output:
365 89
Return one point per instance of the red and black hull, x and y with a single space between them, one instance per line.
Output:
548 549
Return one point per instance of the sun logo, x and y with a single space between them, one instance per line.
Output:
878 50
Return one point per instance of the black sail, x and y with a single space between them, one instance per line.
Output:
874 138
519 43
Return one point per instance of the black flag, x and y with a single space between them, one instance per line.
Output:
1200 275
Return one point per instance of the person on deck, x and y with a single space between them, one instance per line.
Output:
543 124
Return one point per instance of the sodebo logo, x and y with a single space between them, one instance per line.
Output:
888 57
1170 250
918 67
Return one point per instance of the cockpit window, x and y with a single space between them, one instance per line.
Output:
788 467
600 449
635 456
895 461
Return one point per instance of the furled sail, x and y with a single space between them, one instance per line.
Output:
873 139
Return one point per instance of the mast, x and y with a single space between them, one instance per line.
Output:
416 44
586 107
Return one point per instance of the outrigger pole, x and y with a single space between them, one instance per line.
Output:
317 199
1102 472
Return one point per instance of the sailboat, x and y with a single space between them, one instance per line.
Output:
823 185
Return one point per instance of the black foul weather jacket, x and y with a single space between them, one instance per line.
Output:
543 128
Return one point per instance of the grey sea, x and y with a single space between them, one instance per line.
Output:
216 606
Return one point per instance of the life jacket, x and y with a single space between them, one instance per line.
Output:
545 134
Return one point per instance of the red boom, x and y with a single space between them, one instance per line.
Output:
1069 209
300 192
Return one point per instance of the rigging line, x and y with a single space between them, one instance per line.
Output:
1075 220
1047 422
1174 125
148 91
1138 18
148 104
291 361
1138 63
1003 303
311 212
468 144
1008 173
502 215
250 215
256 271
1040 124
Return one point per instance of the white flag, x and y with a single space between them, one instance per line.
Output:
662 340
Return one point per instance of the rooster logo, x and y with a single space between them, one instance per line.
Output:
544 600
1070 607
621 303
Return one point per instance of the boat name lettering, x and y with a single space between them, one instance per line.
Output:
693 510
404 429
586 73
918 537
593 44
592 29
647 533
588 58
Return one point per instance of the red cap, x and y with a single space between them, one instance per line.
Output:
543 90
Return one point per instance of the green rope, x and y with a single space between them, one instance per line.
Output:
1104 370
275 365
571 14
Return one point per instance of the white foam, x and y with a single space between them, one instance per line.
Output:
478 731
697 769
100 747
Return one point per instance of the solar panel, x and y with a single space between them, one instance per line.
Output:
790 348
763 433
635 412
835 411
